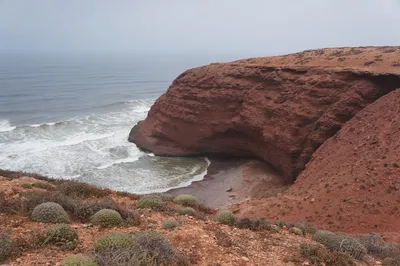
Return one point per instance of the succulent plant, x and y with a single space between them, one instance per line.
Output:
152 202
186 200
170 223
296 231
187 211
107 218
5 246
112 241
225 217
78 260
340 243
62 235
50 212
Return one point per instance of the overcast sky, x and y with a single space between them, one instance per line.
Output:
256 26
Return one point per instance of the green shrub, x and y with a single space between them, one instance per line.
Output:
30 199
127 194
43 185
153 245
296 231
306 228
170 223
376 246
87 209
78 260
26 185
112 241
80 189
147 248
391 262
317 254
280 223
187 211
106 218
252 224
225 217
186 200
50 212
340 243
151 202
62 235
5 246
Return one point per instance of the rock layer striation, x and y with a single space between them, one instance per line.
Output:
279 109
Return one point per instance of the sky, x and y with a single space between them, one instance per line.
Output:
261 27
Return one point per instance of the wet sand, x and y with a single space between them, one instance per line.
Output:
232 181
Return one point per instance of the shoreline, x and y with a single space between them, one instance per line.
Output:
232 181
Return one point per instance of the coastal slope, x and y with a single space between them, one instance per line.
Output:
352 182
278 109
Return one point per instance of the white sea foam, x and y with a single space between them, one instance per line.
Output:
94 149
5 126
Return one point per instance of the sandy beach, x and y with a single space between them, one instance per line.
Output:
232 181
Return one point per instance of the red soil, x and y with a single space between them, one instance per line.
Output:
352 182
279 109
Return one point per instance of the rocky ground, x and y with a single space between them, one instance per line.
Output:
326 120
199 239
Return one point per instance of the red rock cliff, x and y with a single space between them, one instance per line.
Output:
279 109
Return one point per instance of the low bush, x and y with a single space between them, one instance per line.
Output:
86 209
26 185
280 223
306 228
112 241
391 262
152 202
319 255
296 231
340 243
43 185
146 248
78 260
187 211
62 235
106 218
50 212
376 246
186 200
252 224
170 223
79 189
5 246
225 217
31 199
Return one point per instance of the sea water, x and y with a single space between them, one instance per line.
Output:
69 115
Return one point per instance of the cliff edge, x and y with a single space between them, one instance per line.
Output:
279 109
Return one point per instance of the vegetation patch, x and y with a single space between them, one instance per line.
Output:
340 243
252 224
225 217
170 223
79 189
78 260
319 255
5 246
112 241
107 218
62 235
50 212
186 200
152 202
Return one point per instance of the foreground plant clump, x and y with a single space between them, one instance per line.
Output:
107 218
50 212
120 229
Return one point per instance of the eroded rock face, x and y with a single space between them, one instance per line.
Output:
279 109
352 182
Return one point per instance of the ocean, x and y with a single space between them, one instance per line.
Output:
69 116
